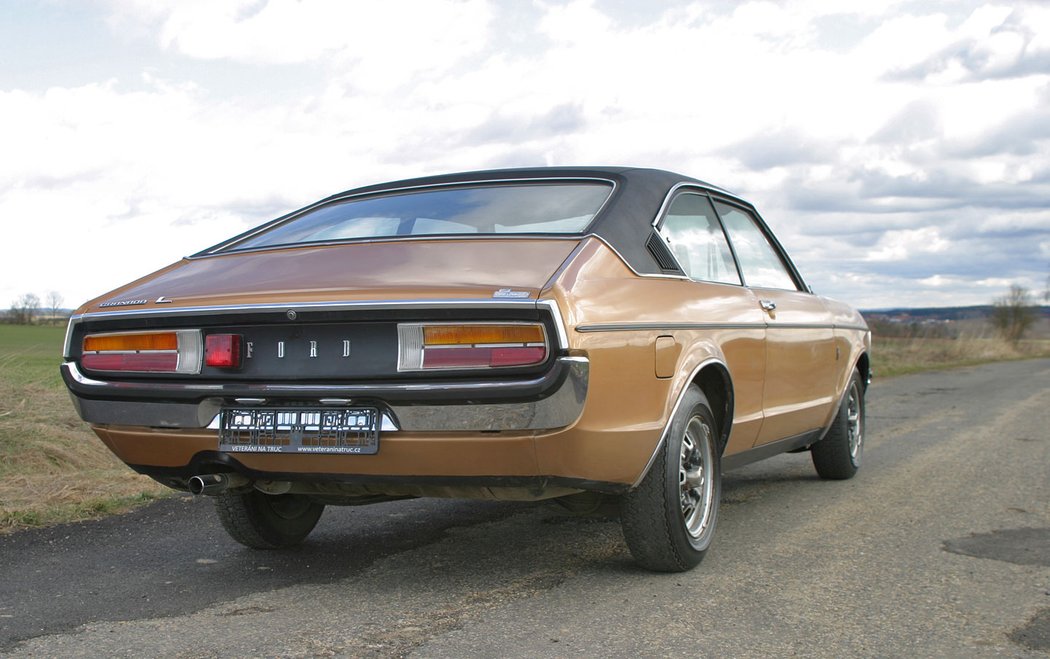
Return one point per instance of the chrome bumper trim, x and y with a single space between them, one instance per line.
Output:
562 408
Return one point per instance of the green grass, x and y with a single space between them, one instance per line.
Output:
900 356
52 467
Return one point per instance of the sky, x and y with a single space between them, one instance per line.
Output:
900 150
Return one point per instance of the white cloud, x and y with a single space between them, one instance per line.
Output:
907 244
858 149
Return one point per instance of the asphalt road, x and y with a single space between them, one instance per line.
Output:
939 547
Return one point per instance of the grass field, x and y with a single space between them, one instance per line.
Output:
53 468
899 356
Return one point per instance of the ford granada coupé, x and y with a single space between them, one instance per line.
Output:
525 334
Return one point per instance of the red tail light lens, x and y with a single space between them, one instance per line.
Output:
464 346
143 352
222 350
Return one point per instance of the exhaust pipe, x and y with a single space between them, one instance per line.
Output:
212 484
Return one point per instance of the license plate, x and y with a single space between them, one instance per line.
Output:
299 430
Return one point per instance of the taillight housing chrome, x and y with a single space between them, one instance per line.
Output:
447 346
176 351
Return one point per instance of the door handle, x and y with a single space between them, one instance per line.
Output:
768 305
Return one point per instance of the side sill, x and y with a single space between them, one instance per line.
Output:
764 451
214 461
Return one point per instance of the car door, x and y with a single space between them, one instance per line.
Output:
800 343
726 314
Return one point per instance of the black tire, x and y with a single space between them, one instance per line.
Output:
669 520
267 521
838 455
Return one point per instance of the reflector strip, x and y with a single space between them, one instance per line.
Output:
222 350
139 362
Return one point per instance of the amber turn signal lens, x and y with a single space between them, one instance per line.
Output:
444 335
131 342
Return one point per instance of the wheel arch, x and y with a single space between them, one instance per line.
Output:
712 377
864 366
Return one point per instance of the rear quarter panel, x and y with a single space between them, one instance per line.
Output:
628 405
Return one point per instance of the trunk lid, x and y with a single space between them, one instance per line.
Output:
396 270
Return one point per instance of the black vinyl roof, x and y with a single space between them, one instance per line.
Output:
624 222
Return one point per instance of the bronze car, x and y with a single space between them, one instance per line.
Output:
519 334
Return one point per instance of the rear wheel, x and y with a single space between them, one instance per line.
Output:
838 455
669 519
267 521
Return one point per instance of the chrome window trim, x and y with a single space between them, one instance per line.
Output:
774 243
213 251
699 188
666 206
655 275
394 239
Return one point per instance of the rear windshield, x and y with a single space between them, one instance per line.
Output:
528 208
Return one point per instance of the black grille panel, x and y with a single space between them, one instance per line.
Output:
661 254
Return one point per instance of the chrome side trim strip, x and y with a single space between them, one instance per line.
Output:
631 327
674 411
559 322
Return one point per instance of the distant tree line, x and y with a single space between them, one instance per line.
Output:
28 309
1014 313
1011 316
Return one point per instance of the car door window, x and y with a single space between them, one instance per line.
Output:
694 234
759 260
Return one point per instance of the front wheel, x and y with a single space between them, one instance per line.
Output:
838 455
669 519
267 521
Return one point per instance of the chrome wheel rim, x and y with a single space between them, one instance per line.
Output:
854 428
695 481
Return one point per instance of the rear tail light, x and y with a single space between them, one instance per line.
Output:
462 346
143 352
222 350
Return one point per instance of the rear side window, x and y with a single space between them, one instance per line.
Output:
530 208
759 261
695 236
